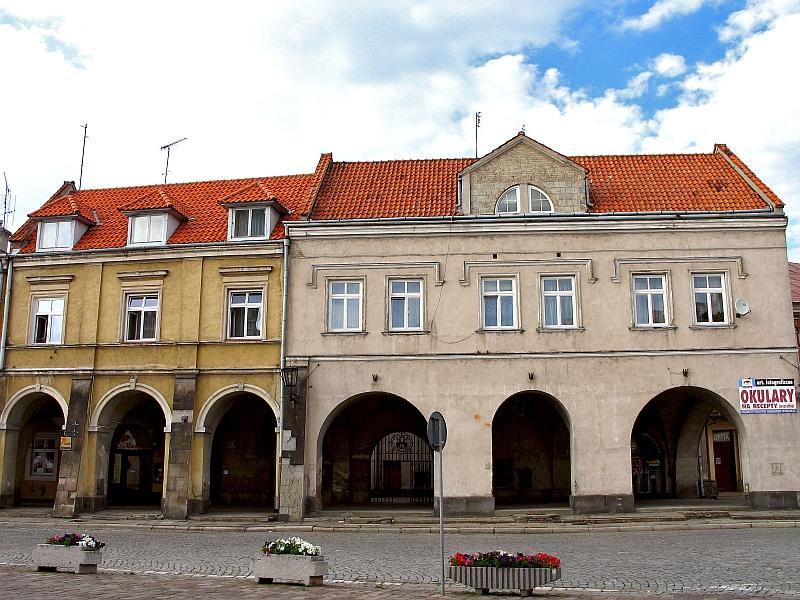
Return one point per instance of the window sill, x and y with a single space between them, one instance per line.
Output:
406 332
498 330
653 327
344 333
560 329
45 345
704 327
243 340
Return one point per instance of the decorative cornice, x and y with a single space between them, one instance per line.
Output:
233 271
584 262
641 260
129 275
45 279
372 265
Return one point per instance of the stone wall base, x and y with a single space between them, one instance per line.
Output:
465 505
602 503
292 492
197 506
6 500
767 500
89 504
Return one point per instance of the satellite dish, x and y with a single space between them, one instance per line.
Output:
742 307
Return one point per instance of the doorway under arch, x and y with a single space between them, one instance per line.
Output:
687 442
375 452
531 451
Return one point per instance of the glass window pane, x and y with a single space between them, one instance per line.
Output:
398 287
414 313
507 311
238 298
55 329
701 308
43 305
398 308
550 311
640 283
715 281
565 285
151 302
57 306
337 313
659 314
700 281
237 322
490 311
149 328
135 302
506 285
337 287
157 228
240 222
717 308
49 234
40 329
140 229
656 283
64 231
413 287
253 322
133 326
490 285
354 287
566 311
254 298
550 285
353 309
642 312
258 222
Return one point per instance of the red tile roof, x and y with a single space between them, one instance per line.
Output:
718 181
794 280
392 188
207 220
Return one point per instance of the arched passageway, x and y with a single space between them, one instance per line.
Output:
530 451
32 425
375 452
686 443
242 469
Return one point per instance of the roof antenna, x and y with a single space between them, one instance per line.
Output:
83 153
7 210
167 148
477 124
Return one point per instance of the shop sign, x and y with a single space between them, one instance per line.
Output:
767 396
65 443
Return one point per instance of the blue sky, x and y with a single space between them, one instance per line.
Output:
263 89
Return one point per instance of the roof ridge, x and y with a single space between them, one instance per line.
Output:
399 160
179 183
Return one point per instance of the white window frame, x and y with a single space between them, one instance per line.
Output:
406 296
30 475
531 190
62 227
558 294
347 298
247 305
151 240
649 293
722 290
499 294
249 210
49 314
518 210
128 310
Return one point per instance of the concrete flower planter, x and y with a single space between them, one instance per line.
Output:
68 559
484 579
293 568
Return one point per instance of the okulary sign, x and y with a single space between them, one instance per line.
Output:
767 396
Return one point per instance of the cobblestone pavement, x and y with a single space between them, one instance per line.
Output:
722 563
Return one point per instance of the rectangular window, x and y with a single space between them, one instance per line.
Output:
499 303
245 314
249 222
558 301
649 299
44 456
344 309
405 305
55 235
141 318
48 321
148 229
709 298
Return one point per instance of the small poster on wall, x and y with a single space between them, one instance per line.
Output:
762 395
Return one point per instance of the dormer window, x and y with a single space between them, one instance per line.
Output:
56 235
508 204
249 223
540 203
147 228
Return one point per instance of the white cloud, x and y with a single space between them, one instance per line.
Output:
757 14
661 11
669 65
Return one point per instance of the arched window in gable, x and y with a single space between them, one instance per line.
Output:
539 201
508 203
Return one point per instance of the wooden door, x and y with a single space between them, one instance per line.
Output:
725 460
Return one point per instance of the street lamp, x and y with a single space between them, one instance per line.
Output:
289 376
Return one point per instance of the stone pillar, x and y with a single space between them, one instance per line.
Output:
68 503
175 503
293 503
9 443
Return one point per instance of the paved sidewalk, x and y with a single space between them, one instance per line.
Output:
17 583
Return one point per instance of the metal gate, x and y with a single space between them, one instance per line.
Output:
401 470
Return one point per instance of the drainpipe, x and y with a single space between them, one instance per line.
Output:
284 304
6 308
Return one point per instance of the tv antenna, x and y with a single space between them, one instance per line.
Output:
477 124
8 209
167 148
83 153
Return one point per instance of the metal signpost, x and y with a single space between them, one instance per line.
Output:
437 436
